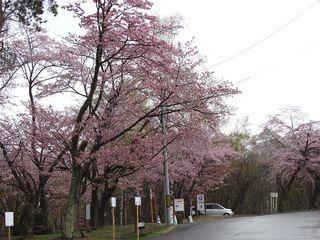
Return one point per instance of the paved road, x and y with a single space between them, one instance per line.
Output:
289 226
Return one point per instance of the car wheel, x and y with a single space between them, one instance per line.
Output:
226 214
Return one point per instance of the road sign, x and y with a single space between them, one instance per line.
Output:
179 205
9 220
200 198
137 201
113 202
274 194
200 206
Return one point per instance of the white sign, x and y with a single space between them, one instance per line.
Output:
88 213
200 206
137 201
113 202
274 194
179 205
200 198
9 222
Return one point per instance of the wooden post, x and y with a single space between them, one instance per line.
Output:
113 225
9 222
138 237
174 210
121 207
155 208
151 207
78 215
9 233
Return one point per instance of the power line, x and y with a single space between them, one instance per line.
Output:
267 36
249 77
255 74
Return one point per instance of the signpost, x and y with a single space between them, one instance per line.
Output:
273 202
200 207
200 198
137 202
9 222
201 203
113 205
179 205
178 209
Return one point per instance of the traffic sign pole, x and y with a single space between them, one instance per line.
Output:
137 202
201 203
113 225
113 205
138 237
9 222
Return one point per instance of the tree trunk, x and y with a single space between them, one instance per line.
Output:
27 219
70 210
281 201
237 206
94 208
106 195
312 200
313 195
41 217
125 212
2 19
283 196
283 190
188 204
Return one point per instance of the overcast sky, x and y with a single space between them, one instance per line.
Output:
285 68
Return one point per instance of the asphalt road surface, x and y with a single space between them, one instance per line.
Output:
288 226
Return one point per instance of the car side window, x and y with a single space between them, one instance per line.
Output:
209 206
216 206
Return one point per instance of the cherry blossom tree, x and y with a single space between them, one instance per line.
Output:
29 153
294 146
126 79
8 68
200 164
125 75
25 11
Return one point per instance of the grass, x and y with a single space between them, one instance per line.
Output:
122 232
125 232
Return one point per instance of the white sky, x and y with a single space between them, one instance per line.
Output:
223 28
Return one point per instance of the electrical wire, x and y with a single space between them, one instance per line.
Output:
278 64
267 36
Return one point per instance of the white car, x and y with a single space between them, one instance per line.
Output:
217 210
214 209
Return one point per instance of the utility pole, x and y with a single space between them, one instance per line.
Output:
166 170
